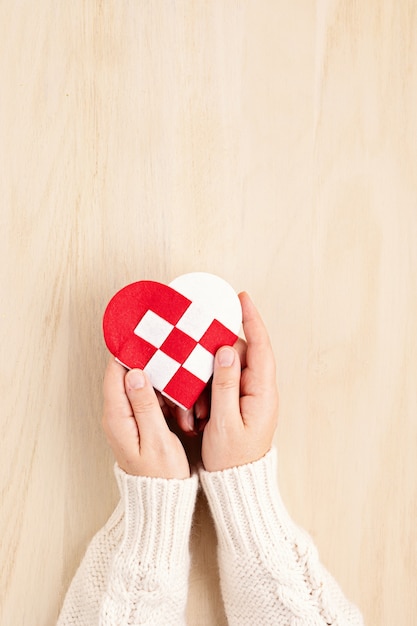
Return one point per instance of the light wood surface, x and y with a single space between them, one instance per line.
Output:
273 143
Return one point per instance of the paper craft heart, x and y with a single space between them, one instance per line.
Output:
173 331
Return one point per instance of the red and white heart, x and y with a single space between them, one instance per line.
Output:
173 331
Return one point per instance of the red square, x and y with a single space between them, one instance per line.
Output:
217 336
136 352
184 387
178 345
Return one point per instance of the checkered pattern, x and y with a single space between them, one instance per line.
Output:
180 363
151 326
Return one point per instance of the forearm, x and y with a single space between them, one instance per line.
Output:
136 568
270 570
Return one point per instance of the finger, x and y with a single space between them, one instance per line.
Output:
225 388
168 401
191 445
202 405
118 422
165 408
145 405
114 392
241 346
202 409
259 355
185 419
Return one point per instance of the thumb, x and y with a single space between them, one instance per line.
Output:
144 403
225 390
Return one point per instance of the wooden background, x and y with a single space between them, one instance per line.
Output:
271 142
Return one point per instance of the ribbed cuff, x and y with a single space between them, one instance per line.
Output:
246 505
153 521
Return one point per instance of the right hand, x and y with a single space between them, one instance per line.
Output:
244 400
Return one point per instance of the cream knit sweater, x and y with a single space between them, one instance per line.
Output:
136 568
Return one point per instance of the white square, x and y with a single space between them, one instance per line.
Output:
153 329
195 321
160 369
200 363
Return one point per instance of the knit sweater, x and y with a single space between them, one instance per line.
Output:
135 570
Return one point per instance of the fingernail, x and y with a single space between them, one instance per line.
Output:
225 357
201 425
135 379
190 422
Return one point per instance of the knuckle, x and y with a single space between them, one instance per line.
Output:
144 405
225 383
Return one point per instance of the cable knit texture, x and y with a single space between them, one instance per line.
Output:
269 568
136 568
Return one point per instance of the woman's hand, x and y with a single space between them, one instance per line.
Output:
244 400
136 429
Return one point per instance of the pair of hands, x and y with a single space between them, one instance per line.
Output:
237 423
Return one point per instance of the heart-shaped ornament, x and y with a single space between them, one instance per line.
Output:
172 332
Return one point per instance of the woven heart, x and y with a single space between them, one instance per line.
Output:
173 331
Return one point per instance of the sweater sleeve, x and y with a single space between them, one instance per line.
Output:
269 568
135 570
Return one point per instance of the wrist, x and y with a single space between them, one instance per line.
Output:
246 505
157 513
232 453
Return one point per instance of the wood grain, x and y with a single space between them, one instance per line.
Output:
272 143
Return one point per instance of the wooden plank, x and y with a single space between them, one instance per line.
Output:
272 143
